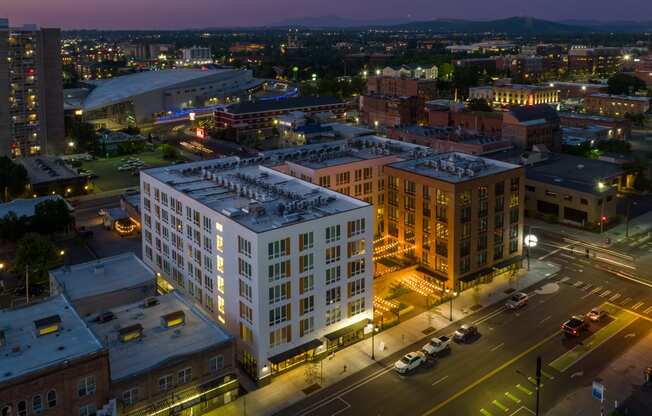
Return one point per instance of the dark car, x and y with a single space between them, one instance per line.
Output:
466 333
574 326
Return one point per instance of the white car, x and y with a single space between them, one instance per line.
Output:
409 362
518 300
437 345
596 314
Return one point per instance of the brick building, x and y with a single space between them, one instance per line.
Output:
445 139
383 110
602 61
616 105
402 87
529 125
460 216
52 363
619 128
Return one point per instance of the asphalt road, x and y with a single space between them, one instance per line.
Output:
493 375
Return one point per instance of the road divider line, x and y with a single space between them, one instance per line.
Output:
490 374
489 316
545 319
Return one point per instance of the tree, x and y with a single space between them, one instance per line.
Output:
169 152
51 216
478 104
625 84
12 227
13 179
83 135
445 71
39 254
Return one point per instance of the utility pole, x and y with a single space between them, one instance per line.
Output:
27 283
538 377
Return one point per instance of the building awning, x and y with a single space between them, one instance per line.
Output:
471 277
347 330
431 273
310 345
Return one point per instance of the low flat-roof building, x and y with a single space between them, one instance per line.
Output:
619 128
526 126
52 362
166 355
50 175
524 94
572 189
99 285
449 140
27 207
616 105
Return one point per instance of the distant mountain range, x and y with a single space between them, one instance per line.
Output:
510 25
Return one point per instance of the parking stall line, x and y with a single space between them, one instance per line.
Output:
605 293
648 310
586 287
637 305
546 375
614 297
578 283
625 301
513 398
524 390
596 290
486 412
499 405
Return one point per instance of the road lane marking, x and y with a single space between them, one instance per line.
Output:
501 406
513 398
491 315
647 318
348 406
490 374
524 390
553 252
648 310
545 319
605 293
497 346
568 256
440 380
614 297
637 305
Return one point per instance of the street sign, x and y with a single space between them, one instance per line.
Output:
598 390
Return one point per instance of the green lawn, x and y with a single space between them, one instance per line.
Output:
109 177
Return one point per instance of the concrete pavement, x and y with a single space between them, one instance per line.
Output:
287 388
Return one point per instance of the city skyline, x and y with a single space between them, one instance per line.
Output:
168 14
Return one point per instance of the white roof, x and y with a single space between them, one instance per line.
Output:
119 89
156 345
24 352
102 276
26 207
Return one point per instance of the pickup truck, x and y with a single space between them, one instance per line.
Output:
574 326
437 345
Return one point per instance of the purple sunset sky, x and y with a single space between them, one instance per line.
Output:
171 14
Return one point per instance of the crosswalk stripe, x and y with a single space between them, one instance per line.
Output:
648 310
578 283
524 390
625 301
597 289
513 398
638 305
605 293
614 297
501 406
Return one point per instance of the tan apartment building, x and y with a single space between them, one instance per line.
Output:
522 94
616 105
459 216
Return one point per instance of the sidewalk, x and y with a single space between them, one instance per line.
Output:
622 380
286 388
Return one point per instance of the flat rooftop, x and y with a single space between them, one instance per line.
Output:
255 196
579 116
247 107
454 167
573 172
43 169
621 97
27 207
104 275
156 344
25 352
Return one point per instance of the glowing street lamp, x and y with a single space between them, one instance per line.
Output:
530 241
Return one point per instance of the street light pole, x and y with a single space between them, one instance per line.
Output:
538 377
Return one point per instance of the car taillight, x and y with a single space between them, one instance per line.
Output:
574 332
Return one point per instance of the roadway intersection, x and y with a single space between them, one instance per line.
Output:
494 375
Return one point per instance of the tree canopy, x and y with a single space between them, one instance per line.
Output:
625 84
39 254
478 104
13 179
51 216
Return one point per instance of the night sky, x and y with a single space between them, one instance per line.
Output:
171 14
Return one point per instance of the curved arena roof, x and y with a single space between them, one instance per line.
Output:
123 88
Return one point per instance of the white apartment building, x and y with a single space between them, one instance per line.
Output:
283 264
197 55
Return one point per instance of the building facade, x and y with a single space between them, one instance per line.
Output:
383 110
458 215
619 128
284 265
394 86
31 90
532 125
615 105
602 61
521 94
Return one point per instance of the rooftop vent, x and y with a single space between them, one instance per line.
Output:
173 319
47 325
149 302
130 333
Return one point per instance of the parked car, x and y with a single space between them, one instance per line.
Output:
465 333
437 345
596 314
574 326
517 301
409 362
